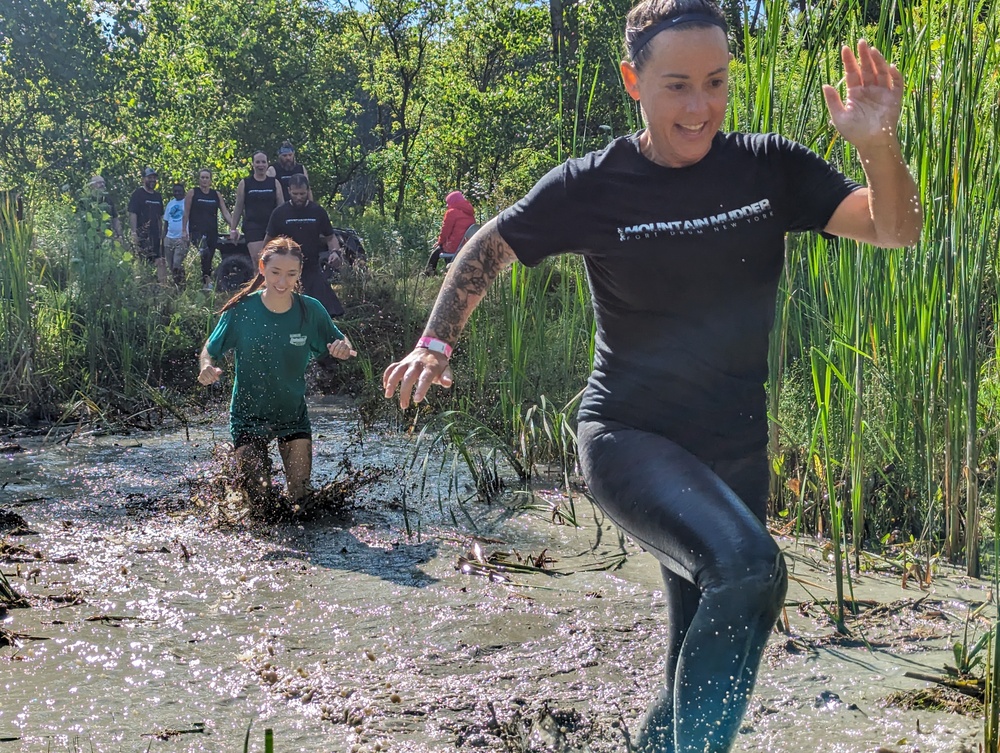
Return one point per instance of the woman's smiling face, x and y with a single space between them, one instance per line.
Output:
281 273
683 89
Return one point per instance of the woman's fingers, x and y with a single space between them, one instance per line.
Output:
414 375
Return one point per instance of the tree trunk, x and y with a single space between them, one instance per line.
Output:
558 31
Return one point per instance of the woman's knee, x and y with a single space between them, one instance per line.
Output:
756 584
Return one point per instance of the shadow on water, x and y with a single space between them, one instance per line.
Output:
331 542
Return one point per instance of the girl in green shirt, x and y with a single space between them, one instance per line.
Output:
274 332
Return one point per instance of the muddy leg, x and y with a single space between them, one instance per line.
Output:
682 597
253 471
296 456
162 275
702 530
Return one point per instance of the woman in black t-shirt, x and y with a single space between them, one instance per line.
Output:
257 196
681 228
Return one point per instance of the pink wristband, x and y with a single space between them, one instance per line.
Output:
433 344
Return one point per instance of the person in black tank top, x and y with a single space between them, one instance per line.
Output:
201 221
256 197
286 167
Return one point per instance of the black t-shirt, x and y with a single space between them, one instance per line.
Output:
260 197
283 175
683 266
147 206
204 216
304 225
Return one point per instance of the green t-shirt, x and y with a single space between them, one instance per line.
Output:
272 352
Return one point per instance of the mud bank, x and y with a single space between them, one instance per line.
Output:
153 627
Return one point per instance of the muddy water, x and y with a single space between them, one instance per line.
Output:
167 631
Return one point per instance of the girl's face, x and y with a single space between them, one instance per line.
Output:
281 273
683 89
205 179
260 162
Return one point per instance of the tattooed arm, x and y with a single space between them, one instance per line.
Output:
477 265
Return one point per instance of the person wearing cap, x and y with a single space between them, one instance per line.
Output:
682 232
286 167
98 190
145 214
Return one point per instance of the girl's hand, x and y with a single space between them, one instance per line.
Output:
210 375
341 349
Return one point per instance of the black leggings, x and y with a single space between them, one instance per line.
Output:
206 249
724 575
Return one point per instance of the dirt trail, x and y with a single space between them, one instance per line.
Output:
166 632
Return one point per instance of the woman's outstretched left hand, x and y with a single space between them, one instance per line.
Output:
341 349
870 113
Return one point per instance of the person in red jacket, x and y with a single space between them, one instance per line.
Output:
458 218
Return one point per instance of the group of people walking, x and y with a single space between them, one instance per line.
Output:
163 233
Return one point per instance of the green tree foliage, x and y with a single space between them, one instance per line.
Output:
394 44
55 91
491 82
224 78
390 103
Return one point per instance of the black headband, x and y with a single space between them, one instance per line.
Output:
641 39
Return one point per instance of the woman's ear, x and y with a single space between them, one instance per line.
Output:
630 77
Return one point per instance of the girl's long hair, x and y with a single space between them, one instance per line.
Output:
282 246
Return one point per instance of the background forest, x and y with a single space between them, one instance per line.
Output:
884 383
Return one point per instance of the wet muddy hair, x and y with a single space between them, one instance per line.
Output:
298 181
649 17
280 246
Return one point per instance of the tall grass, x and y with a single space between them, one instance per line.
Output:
18 336
84 323
524 356
895 340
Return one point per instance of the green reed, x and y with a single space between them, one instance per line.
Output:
991 700
18 335
902 333
83 322
885 313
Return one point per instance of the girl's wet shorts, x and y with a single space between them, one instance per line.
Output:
242 440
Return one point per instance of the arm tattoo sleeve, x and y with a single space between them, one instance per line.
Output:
479 263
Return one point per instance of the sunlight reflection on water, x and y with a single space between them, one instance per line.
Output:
348 631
